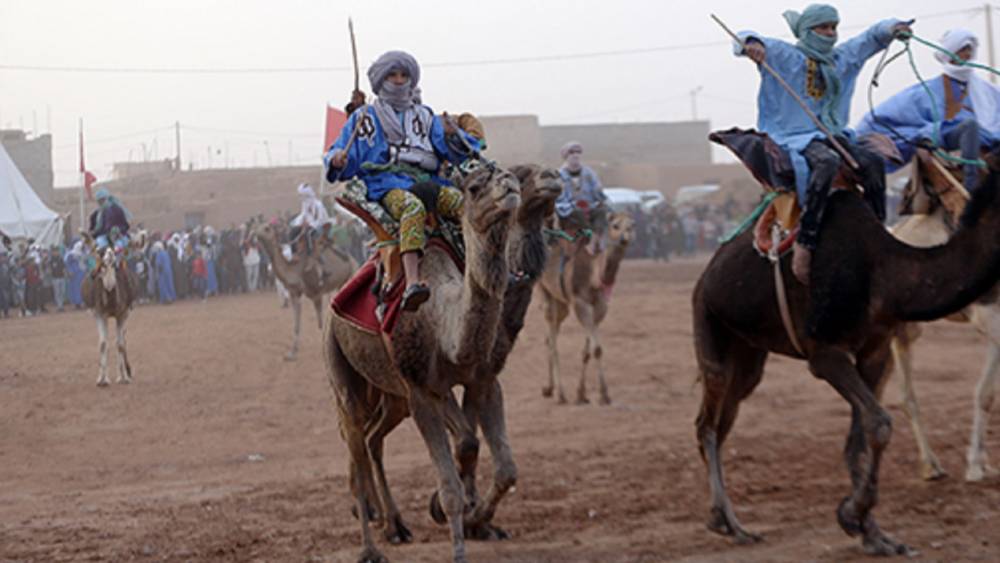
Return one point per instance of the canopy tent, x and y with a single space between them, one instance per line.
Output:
22 213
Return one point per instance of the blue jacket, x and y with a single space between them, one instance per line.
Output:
916 115
590 191
780 116
370 146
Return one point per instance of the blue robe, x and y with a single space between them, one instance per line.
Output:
590 191
212 280
374 149
781 117
164 277
912 114
76 273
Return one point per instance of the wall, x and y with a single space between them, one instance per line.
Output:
33 157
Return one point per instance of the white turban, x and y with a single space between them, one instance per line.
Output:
306 191
955 40
982 95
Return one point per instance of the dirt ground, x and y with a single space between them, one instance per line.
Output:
220 450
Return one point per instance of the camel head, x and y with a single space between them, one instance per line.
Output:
266 233
540 187
621 228
106 269
492 194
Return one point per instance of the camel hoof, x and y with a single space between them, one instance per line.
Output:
976 473
102 383
880 544
437 513
933 471
546 392
290 357
605 400
582 400
486 532
721 525
562 399
372 555
397 532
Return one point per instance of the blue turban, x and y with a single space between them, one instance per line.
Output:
820 48
390 61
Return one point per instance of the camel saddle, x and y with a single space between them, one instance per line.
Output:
931 184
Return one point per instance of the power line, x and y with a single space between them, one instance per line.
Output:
199 129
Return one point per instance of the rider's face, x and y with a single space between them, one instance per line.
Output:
826 29
398 77
965 53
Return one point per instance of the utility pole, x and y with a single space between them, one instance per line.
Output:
694 103
177 134
989 39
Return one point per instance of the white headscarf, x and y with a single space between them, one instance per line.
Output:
982 95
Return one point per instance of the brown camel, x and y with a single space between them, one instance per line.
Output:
109 292
930 225
432 350
574 278
482 401
863 285
299 279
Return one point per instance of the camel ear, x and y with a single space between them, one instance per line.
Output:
522 171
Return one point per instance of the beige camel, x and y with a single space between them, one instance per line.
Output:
926 229
576 279
301 277
109 291
432 350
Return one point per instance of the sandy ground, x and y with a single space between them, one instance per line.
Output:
220 450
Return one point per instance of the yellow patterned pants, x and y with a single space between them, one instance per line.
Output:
409 211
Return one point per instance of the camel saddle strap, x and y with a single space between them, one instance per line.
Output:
779 285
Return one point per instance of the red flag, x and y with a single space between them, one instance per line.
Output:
335 121
88 178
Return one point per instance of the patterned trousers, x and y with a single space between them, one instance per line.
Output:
409 211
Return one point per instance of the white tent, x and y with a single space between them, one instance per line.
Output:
22 213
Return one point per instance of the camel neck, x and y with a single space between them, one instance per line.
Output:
282 268
482 291
611 264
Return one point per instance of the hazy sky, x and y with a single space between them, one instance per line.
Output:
279 115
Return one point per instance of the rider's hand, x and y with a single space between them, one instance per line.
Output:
357 100
339 159
755 50
900 28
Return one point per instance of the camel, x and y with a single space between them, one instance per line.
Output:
579 280
931 227
299 279
864 284
432 349
482 401
109 292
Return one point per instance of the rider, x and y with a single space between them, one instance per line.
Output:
109 223
582 202
962 112
823 75
399 147
312 219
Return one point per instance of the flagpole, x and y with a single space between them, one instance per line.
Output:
83 181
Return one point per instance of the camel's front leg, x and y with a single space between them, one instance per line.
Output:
930 467
592 348
555 312
296 324
124 367
488 400
391 412
978 465
428 414
871 429
102 333
317 302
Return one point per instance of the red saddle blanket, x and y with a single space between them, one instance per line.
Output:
357 304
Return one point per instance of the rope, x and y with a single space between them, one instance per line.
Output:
561 234
954 57
752 218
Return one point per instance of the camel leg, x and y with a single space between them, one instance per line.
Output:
466 455
296 324
730 371
124 368
587 315
488 399
102 333
555 313
978 465
348 386
318 306
428 413
392 411
930 467
871 429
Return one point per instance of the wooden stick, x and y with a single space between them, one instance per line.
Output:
829 136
